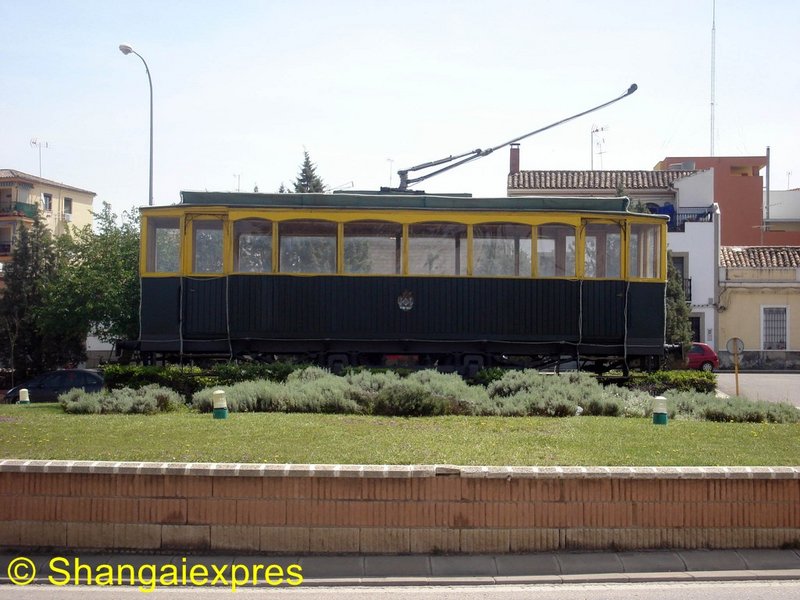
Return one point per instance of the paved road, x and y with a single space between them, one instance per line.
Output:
773 387
762 590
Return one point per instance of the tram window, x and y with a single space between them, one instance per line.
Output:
163 244
207 247
437 249
555 251
602 253
252 246
501 249
373 247
645 251
307 246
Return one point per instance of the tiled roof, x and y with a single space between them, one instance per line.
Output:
764 257
594 180
19 175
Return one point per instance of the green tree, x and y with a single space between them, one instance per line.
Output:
28 344
96 287
308 180
679 329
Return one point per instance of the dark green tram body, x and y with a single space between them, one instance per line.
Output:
462 322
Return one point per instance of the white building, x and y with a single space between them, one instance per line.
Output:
686 195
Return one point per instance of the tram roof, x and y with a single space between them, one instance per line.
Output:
385 201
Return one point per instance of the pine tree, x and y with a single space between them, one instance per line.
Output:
679 329
308 180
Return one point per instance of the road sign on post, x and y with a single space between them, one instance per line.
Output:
735 346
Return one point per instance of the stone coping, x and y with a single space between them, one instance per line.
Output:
392 471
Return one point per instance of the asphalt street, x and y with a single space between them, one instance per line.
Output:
772 387
654 590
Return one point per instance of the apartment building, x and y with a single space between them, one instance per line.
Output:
23 195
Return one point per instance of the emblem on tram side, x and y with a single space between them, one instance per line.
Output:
405 301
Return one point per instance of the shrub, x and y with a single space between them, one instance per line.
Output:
545 403
636 403
734 409
488 375
603 407
85 405
308 374
247 396
148 400
230 373
320 393
686 381
366 385
183 379
407 398
449 389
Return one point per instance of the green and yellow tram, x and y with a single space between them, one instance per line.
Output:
370 278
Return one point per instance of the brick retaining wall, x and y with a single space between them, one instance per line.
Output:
295 509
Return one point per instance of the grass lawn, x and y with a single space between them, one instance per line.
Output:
43 431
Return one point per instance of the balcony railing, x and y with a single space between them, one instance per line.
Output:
687 289
678 221
22 209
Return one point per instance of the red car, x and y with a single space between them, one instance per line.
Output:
702 356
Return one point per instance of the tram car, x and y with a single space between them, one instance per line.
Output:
446 281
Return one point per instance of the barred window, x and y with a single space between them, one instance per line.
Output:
773 327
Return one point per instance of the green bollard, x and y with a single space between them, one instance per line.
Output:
220 405
659 410
24 397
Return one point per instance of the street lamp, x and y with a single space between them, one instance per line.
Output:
126 49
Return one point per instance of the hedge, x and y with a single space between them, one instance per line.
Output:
426 393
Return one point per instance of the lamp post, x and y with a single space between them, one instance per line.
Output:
126 49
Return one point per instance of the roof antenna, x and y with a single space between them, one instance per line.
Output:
36 142
478 153
713 66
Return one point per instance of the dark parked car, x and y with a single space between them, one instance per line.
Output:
702 356
47 386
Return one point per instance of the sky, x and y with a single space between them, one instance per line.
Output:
242 87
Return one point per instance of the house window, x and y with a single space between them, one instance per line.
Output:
773 327
67 206
47 202
6 240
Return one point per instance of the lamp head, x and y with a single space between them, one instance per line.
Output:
125 48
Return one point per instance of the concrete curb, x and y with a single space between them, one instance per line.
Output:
682 577
522 569
337 471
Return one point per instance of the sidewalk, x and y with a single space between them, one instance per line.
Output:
542 568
